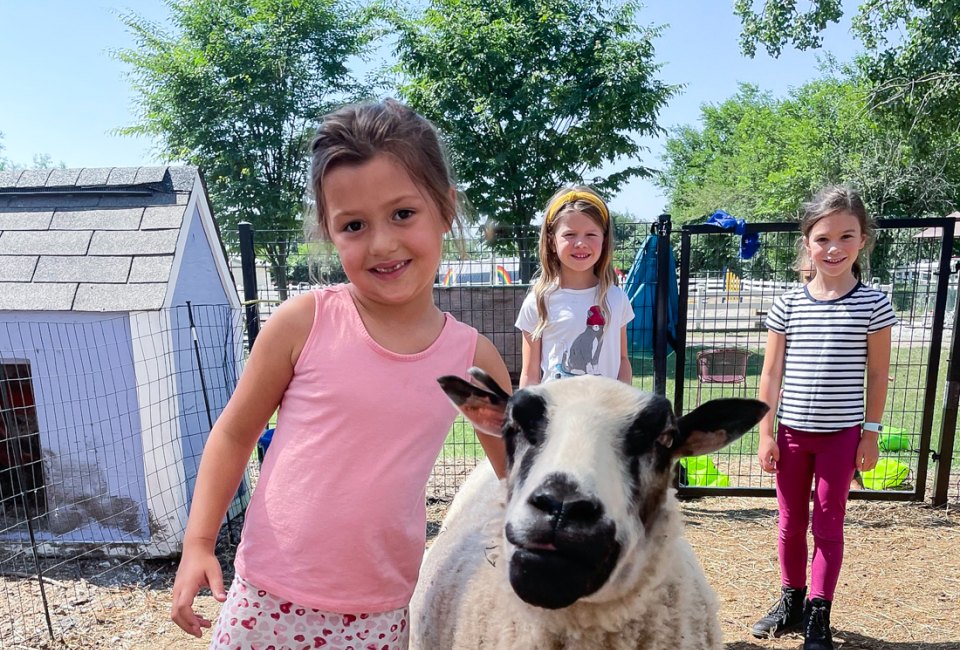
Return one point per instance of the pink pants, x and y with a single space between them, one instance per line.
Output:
252 619
829 458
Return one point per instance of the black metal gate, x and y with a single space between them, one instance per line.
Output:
723 301
722 304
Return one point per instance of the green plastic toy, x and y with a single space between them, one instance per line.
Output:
888 473
701 472
894 439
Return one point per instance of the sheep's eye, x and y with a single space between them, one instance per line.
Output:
534 435
640 437
527 414
512 430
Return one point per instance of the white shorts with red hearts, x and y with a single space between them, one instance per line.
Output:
253 619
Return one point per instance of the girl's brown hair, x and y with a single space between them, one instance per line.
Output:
356 133
548 278
831 200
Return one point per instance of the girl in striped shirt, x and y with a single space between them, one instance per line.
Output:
827 342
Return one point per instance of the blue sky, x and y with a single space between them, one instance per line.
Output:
62 93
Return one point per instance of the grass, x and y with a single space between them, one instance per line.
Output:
461 442
904 410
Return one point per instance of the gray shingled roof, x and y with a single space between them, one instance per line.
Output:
92 239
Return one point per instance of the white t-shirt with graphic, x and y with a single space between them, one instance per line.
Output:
577 339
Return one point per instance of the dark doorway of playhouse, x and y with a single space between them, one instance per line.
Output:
22 491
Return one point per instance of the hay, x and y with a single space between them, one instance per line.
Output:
899 590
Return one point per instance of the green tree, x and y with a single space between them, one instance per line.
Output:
532 95
763 157
40 160
912 51
760 158
237 89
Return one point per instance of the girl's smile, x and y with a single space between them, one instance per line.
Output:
390 270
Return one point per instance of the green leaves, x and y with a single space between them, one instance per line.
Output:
237 88
779 23
531 95
912 59
760 158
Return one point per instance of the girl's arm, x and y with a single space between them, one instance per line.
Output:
771 378
530 360
878 376
626 370
488 359
227 451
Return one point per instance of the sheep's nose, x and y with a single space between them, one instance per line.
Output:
559 499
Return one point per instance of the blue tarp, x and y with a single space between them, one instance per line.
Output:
641 289
749 242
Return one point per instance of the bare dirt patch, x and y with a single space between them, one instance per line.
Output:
900 587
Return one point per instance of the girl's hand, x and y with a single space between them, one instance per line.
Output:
868 453
198 568
769 454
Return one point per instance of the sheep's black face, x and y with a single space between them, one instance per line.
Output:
566 547
567 488
590 462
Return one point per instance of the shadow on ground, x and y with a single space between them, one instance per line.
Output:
736 514
854 641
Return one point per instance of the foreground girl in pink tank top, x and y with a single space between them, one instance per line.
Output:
335 530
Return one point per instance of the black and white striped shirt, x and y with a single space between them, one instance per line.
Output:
826 355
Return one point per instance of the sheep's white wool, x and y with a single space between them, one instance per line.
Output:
464 599
581 546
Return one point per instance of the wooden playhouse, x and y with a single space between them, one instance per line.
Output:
120 337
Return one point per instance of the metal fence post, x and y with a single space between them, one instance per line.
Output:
948 425
936 340
249 270
15 453
680 353
661 308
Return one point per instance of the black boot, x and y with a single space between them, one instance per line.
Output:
785 616
816 625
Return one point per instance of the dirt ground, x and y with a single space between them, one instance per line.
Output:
899 590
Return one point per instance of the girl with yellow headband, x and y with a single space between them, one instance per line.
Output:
574 320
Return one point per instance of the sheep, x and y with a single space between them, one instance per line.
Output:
581 545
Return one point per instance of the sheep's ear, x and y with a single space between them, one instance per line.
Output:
715 424
487 381
483 408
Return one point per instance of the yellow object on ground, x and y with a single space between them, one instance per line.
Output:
887 474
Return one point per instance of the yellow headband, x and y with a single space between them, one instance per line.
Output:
569 197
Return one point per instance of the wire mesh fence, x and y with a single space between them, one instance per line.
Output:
103 422
725 303
104 416
721 339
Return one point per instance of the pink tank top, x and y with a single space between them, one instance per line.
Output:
338 518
